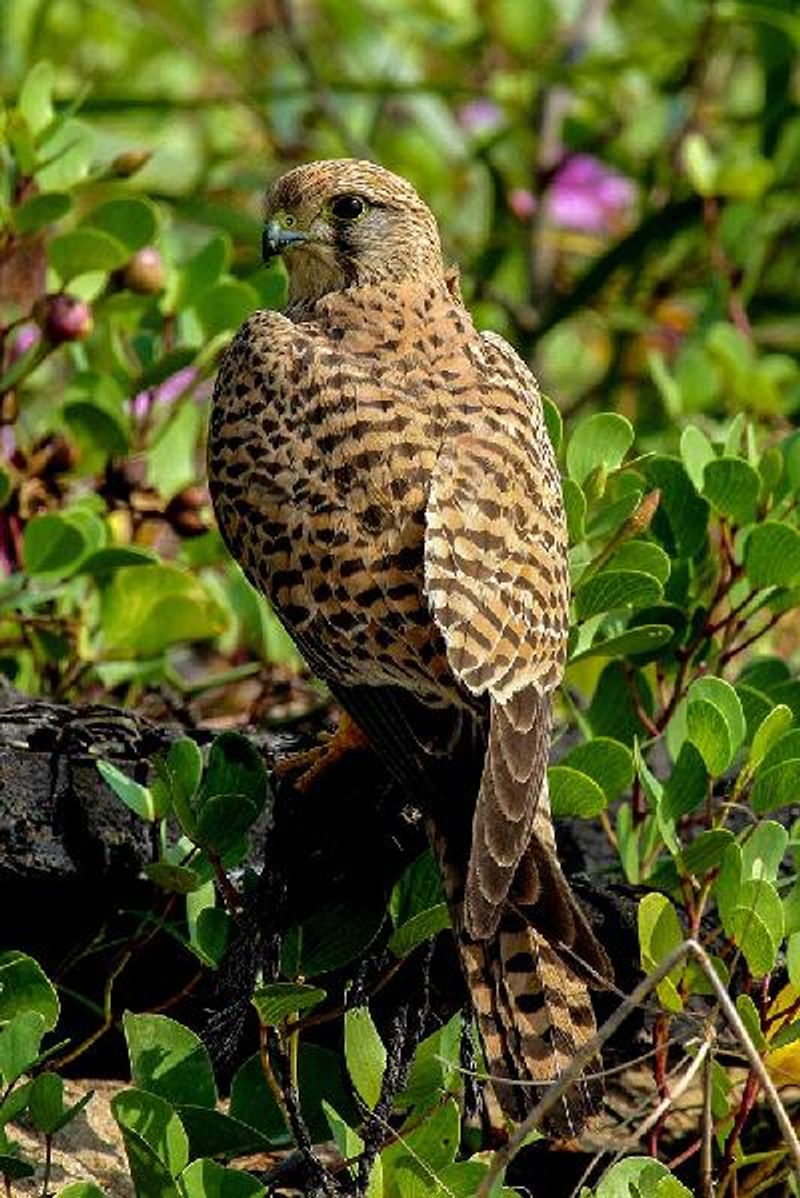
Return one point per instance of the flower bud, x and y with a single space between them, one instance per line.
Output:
63 317
129 162
145 272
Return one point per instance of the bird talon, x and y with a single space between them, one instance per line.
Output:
312 763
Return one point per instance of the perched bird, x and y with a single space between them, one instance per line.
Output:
382 472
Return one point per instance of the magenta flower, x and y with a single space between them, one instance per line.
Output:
26 336
479 116
165 393
522 202
586 195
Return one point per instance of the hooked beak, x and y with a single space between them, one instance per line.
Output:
275 239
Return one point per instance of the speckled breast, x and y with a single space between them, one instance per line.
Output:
319 465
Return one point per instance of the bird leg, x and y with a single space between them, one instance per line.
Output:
312 763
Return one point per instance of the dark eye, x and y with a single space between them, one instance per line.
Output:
347 207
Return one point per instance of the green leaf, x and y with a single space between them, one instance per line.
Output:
201 270
611 711
419 928
225 305
365 1054
223 820
642 556
732 487
763 850
715 721
333 936
696 452
129 220
135 796
644 639
659 934
758 924
35 101
204 1178
705 852
174 879
147 608
772 555
320 1078
575 510
607 761
727 885
612 589
682 517
83 250
686 787
52 546
751 1019
155 1124
280 1001
169 1060
769 732
611 516
212 1132
20 1042
553 422
627 1178
46 1101
235 767
776 786
432 1143
103 561
573 793
418 888
80 1189
435 1067
600 440
41 210
24 986
210 935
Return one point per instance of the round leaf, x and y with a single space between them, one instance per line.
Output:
612 589
574 793
732 486
772 555
600 440
129 220
85 250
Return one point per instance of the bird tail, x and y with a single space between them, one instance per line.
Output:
533 1014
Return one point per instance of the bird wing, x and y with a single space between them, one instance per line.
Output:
497 584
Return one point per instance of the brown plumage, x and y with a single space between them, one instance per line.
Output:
383 473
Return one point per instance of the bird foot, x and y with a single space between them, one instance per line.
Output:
312 763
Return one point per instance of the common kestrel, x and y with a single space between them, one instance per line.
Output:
382 472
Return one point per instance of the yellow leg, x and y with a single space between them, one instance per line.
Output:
313 762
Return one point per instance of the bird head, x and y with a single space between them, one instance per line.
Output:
344 223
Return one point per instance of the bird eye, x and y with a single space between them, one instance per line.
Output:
347 207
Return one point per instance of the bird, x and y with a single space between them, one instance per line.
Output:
382 472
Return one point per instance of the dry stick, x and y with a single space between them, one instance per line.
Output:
690 948
706 1157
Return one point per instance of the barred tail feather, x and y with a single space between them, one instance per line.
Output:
533 1015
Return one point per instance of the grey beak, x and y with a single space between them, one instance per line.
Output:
275 239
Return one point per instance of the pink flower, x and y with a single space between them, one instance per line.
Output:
165 393
522 203
479 116
586 195
26 336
